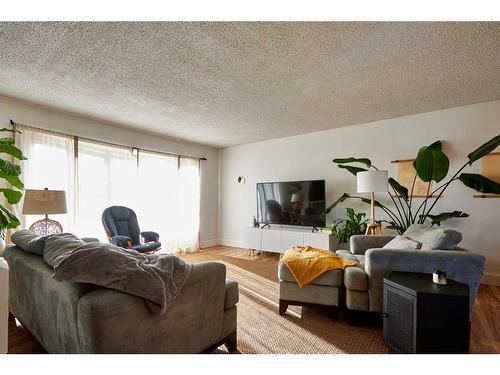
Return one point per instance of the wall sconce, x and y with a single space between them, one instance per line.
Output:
241 179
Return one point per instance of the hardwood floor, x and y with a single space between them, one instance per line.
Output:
485 327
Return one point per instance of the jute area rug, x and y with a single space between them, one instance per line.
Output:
302 330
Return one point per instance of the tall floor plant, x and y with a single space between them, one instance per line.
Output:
9 172
431 165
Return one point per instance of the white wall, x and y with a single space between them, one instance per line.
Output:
38 116
309 157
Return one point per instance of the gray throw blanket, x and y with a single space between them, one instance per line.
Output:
156 278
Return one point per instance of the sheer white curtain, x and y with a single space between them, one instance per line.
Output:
163 190
49 165
188 205
107 176
169 200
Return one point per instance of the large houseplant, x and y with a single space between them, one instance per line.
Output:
431 164
355 223
9 172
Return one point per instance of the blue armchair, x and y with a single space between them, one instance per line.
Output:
122 229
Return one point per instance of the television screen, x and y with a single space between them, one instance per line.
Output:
292 203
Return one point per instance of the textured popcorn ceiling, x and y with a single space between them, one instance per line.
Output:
230 83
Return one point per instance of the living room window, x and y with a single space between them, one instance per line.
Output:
163 190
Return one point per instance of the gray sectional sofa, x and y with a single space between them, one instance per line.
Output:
83 318
363 283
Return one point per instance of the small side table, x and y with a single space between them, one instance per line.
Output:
423 317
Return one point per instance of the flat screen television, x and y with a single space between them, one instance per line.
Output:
292 203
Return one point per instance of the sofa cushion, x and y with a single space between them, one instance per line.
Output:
232 294
402 243
328 278
433 238
29 241
346 254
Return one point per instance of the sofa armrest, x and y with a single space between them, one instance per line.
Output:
459 265
122 241
360 243
150 236
114 322
232 295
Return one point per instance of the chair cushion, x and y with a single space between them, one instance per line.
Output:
328 278
146 247
232 294
433 238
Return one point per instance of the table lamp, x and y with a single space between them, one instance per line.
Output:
45 202
371 182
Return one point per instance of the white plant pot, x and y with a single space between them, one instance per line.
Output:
2 246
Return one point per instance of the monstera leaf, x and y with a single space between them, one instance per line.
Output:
364 161
353 170
484 149
400 189
480 183
431 163
437 219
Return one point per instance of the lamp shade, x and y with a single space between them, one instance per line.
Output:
44 202
372 181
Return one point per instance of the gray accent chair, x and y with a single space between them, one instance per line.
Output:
364 283
324 291
82 318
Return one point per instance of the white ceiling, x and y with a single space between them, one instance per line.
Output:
224 83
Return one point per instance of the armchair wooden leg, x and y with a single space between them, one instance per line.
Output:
283 306
231 342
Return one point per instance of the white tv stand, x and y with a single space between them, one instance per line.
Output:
278 238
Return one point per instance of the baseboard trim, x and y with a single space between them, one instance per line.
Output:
490 279
209 243
231 243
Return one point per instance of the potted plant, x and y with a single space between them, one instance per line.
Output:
431 164
9 172
355 223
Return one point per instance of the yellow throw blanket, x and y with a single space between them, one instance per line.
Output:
307 263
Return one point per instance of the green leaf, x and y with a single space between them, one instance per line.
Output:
431 163
364 161
480 183
8 140
8 219
437 219
342 198
9 168
400 189
12 196
438 146
13 180
484 149
353 170
7 148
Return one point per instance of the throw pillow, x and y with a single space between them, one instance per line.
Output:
434 238
59 246
29 241
403 243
